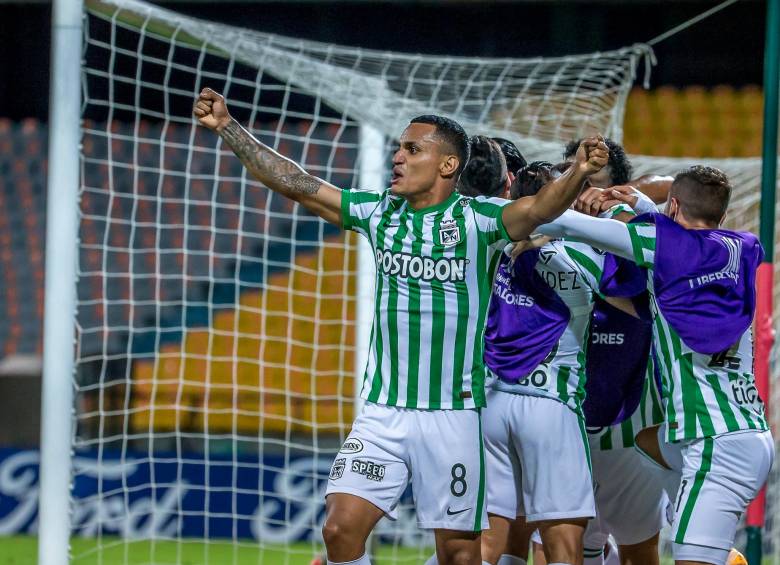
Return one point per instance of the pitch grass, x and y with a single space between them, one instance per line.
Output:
23 550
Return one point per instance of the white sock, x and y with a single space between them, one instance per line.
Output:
359 561
433 561
507 559
593 556
560 564
613 557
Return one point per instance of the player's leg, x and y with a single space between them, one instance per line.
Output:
631 502
596 536
447 467
642 553
458 547
503 473
537 549
516 552
366 481
665 458
720 476
349 520
562 540
552 446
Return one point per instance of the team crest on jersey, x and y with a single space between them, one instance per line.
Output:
338 469
449 233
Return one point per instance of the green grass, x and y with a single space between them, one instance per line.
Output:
23 550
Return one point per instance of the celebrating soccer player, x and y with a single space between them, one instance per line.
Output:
701 283
435 252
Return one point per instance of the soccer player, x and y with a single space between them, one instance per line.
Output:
621 386
618 170
514 159
435 252
486 172
537 461
700 279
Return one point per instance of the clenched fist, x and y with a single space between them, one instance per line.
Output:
211 110
592 154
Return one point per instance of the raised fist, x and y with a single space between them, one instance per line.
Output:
211 110
592 154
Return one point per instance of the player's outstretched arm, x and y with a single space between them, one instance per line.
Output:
522 217
277 172
608 235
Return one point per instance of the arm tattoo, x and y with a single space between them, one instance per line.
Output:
265 164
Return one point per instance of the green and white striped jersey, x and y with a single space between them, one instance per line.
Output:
573 270
435 269
648 413
704 395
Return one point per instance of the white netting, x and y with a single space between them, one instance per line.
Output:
217 321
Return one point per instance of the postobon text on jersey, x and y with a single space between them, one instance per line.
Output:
444 269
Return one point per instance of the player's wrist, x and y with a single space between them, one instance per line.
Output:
223 124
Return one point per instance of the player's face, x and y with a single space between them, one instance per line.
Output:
600 179
418 161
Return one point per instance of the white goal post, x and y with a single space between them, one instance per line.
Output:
221 330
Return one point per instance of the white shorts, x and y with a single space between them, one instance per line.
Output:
630 499
439 451
536 455
720 476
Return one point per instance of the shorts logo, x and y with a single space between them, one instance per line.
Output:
449 233
351 445
338 469
372 471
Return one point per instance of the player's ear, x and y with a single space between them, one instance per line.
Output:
448 165
672 207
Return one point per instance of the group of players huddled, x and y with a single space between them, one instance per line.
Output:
552 358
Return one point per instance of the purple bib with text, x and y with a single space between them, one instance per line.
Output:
705 282
525 320
616 365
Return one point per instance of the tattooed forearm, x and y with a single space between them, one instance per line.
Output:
265 164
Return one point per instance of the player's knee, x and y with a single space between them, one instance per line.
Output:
460 556
336 534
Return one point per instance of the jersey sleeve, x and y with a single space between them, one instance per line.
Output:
487 214
642 237
357 208
608 235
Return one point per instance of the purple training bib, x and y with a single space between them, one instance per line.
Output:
525 320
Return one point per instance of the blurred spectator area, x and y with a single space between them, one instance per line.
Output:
694 122
210 287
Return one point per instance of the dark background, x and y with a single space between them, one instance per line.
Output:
726 48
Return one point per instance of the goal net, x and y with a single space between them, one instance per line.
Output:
221 328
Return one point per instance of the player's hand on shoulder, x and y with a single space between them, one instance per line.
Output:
590 201
592 154
211 110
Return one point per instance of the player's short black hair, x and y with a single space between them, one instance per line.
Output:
703 193
619 166
485 173
514 159
531 178
452 133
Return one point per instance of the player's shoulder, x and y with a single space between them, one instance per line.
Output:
483 204
577 249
